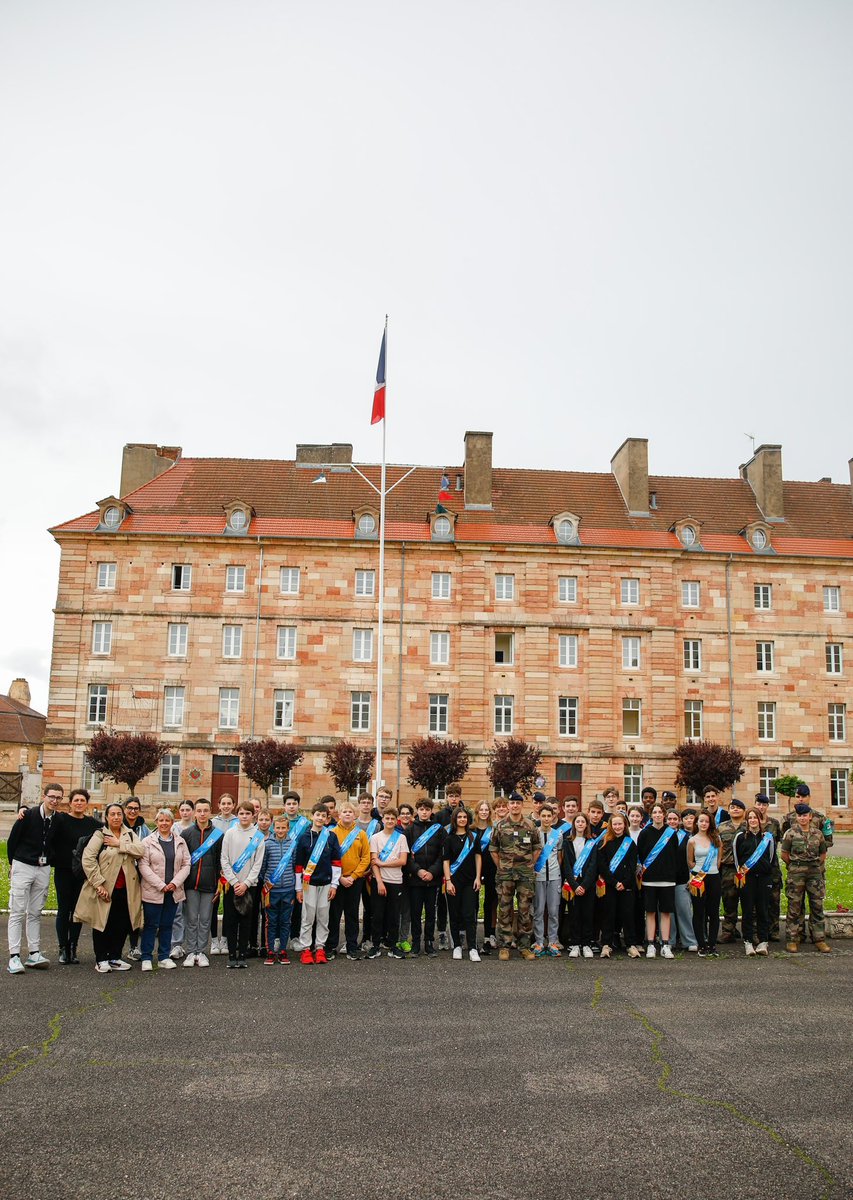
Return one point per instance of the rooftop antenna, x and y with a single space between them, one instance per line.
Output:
751 437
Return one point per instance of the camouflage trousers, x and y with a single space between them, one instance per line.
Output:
802 882
520 890
730 898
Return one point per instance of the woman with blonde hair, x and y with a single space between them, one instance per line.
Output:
164 866
111 898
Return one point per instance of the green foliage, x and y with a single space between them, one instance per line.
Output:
514 765
125 757
435 762
350 766
787 785
267 760
701 763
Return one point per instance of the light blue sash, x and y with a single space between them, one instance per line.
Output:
619 857
350 838
287 858
758 851
710 859
581 862
662 842
319 847
463 854
429 832
255 841
548 849
682 834
388 849
486 837
216 836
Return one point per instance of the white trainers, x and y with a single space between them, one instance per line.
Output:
761 948
474 954
666 951
749 948
650 951
587 952
36 959
201 960
103 968
118 964
443 942
167 964
694 949
177 953
16 967
575 952
457 952
189 960
147 964
633 952
606 952
216 946
134 955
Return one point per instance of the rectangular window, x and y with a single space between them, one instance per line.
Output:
106 576
834 658
832 599
632 783
365 583
838 787
441 585
504 649
283 709
289 581
235 579
763 595
173 707
286 641
837 718
438 705
504 587
692 719
630 591
360 721
182 577
767 721
766 775
177 640
170 775
692 654
631 717
92 781
362 645
439 648
630 653
102 637
229 708
503 714
232 641
567 715
567 589
764 656
568 650
97 704
690 593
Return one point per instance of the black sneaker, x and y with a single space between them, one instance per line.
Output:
702 952
331 955
232 963
415 950
431 951
241 964
487 949
375 954
354 957
396 952
63 957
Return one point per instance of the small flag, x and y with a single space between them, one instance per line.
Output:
444 488
379 392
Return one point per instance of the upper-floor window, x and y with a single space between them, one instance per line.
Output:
567 716
438 709
289 585
567 645
767 721
567 589
837 720
764 656
170 775
182 577
441 585
178 635
632 710
504 649
232 641
503 713
692 719
362 645
834 658
229 708
630 653
283 708
832 599
504 587
439 648
763 595
630 591
690 593
360 712
693 654
173 707
286 641
106 576
235 579
365 583
97 713
102 637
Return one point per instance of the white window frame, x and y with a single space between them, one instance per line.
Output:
691 593
692 654
170 775
834 652
831 598
766 775
509 644
567 589
567 716
229 708
631 653
836 720
284 706
632 704
632 783
232 641
762 596
439 712
629 591
97 697
504 715
839 787
365 582
106 577
360 704
285 642
362 645
441 585
765 657
289 580
177 639
235 579
102 638
567 651
182 577
694 720
504 586
439 648
174 700
767 721
92 781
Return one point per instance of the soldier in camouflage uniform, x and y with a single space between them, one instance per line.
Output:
771 825
804 853
818 820
514 848
729 891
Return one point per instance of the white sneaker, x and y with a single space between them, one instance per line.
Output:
457 952
633 952
606 952
103 968
443 942
189 960
761 948
749 948
694 949
177 953
168 964
118 964
474 955
16 967
134 955
666 952
36 959
575 952
201 960
587 952
650 951
147 964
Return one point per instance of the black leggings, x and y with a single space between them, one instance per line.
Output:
618 915
236 926
706 912
385 912
462 915
67 891
109 944
755 907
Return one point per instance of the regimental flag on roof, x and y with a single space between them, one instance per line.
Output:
379 391
444 488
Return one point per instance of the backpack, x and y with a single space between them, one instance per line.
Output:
77 856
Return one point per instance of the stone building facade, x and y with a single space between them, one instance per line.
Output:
603 617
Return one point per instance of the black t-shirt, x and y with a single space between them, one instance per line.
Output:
65 833
466 873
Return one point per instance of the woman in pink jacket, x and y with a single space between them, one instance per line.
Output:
164 866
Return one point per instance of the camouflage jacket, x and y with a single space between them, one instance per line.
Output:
819 822
517 845
728 831
805 848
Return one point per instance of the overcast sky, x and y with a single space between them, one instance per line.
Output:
586 221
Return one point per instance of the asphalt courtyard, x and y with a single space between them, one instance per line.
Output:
431 1079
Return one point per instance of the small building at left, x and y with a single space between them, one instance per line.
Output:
21 746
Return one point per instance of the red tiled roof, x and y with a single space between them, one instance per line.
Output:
20 724
189 498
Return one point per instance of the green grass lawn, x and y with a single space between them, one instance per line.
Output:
839 883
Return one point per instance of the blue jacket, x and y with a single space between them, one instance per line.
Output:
331 857
273 853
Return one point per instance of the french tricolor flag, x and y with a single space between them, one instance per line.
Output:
379 392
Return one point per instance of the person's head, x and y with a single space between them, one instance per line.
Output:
114 817
804 814
570 808
78 801
319 815
673 819
346 814
292 800
256 806
616 826
226 805
164 821
688 820
331 807
484 812
803 792
202 812
264 820
753 820
636 816
648 796
547 815
280 826
706 826
406 815
52 794
185 810
365 805
610 796
711 797
245 813
515 802
596 812
459 819
501 808
132 810
620 806
454 794
538 801
580 825
658 815
389 818
762 803
425 807
737 811
383 798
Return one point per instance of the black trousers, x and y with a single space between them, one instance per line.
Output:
618 912
462 915
67 891
345 904
236 926
755 907
109 944
385 913
579 915
422 900
706 912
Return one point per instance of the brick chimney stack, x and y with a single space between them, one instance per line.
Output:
143 461
630 466
763 473
478 470
19 690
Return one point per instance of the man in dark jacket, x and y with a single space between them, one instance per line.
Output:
425 873
29 878
203 840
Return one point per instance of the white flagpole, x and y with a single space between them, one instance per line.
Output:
380 649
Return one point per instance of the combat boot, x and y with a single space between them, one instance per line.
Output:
824 947
792 947
503 954
528 955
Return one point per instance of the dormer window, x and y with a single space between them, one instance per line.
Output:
237 521
441 527
112 513
366 523
688 535
758 536
566 527
112 516
238 517
688 532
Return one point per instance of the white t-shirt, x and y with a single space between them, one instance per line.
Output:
401 850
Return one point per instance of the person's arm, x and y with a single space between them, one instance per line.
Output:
691 854
130 844
478 859
376 869
362 867
182 853
147 871
15 836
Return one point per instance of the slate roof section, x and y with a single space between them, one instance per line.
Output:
20 724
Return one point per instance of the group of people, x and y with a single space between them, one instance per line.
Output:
403 881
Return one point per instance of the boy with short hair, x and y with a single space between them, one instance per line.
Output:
389 853
318 870
425 874
549 882
279 889
355 864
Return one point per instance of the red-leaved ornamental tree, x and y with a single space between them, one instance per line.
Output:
125 757
350 767
514 765
701 763
267 760
435 762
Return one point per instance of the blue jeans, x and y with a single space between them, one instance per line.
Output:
683 923
279 915
159 919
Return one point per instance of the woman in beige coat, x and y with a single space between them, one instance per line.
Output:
111 897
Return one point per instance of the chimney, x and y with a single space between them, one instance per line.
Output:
850 468
310 454
19 690
630 466
478 470
143 461
763 473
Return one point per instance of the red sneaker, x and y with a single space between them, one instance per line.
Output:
283 959
270 960
306 958
320 956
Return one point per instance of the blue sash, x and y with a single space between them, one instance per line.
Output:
287 858
319 847
718 817
429 832
555 836
618 858
255 841
662 842
350 838
373 827
463 854
388 849
682 834
758 851
581 862
486 836
710 859
216 836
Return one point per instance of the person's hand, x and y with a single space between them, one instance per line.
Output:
111 840
425 876
332 891
580 891
620 887
240 889
381 888
299 895
346 880
170 887
476 885
103 894
20 815
450 887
